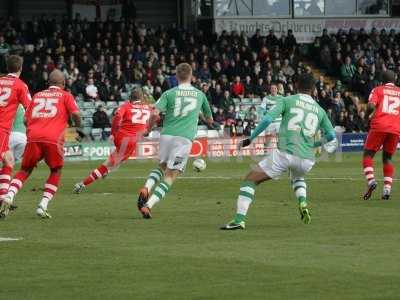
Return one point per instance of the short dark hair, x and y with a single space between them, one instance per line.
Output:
388 76
14 63
306 83
183 71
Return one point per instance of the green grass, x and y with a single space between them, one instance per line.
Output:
97 247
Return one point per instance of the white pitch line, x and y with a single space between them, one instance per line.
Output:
5 239
240 177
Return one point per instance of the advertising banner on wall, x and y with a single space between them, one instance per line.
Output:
202 147
305 30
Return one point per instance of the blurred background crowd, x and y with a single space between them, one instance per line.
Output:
103 61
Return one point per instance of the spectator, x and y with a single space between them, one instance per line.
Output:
91 90
251 125
226 101
100 118
237 88
347 70
219 117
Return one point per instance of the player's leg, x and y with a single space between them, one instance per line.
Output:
54 159
7 164
271 167
372 145
299 168
6 172
124 149
389 148
179 151
31 156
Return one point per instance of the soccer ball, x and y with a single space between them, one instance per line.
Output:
199 165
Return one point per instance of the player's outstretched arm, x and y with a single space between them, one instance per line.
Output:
154 117
76 117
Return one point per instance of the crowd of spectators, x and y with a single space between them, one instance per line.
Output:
103 60
357 58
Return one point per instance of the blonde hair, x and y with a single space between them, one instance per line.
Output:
183 72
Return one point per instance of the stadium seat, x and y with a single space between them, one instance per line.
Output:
112 104
97 134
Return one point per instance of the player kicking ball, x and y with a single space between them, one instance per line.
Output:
302 117
182 106
384 112
129 124
47 118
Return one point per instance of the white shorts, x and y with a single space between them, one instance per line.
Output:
17 144
174 151
278 162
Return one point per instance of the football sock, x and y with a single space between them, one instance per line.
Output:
50 188
17 183
5 178
388 171
159 193
368 164
153 178
246 196
300 189
98 173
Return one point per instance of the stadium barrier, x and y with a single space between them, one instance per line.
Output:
204 147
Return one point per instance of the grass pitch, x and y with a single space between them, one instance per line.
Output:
97 246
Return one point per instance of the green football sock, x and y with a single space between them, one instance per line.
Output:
246 196
300 189
159 193
153 178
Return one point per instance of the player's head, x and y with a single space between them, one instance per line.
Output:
57 78
14 64
306 84
136 95
388 76
184 73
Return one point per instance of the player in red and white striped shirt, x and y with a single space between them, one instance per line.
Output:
47 118
384 102
13 92
129 124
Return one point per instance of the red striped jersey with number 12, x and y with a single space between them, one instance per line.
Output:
386 99
13 92
131 118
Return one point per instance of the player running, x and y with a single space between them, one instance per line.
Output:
13 92
129 124
182 106
384 108
47 118
301 119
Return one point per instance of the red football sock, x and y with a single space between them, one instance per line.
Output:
388 172
18 181
5 178
368 165
98 173
51 185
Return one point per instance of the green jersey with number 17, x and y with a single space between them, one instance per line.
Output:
302 117
182 106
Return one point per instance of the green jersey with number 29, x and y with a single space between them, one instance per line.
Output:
182 106
302 117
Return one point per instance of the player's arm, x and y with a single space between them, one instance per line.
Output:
275 112
160 107
24 96
206 112
116 121
329 141
73 110
372 103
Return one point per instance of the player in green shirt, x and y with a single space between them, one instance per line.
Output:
182 106
301 119
17 141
